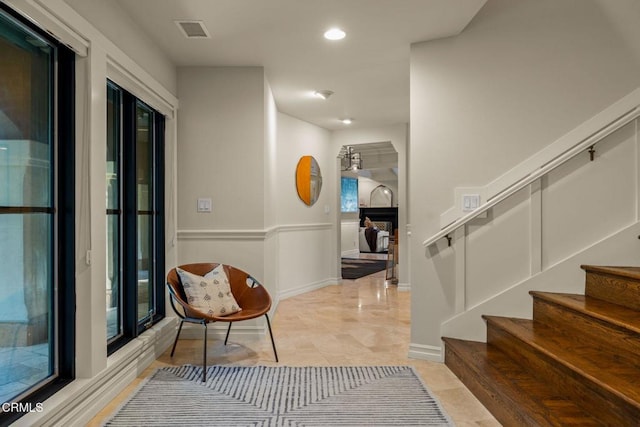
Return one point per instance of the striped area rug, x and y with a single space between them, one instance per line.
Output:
282 396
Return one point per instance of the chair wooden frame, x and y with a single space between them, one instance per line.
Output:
251 296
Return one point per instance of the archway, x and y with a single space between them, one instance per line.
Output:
378 167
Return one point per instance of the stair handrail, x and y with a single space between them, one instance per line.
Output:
585 144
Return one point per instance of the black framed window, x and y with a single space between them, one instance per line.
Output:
37 285
135 216
114 213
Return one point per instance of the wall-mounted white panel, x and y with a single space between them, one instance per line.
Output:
498 249
619 249
306 259
349 238
584 201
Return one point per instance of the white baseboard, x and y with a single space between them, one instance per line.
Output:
83 398
217 331
404 287
426 352
307 288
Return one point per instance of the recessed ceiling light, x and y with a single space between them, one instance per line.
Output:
346 121
334 34
324 94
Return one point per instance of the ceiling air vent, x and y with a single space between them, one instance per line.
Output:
193 29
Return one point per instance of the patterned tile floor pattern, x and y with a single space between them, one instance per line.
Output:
361 322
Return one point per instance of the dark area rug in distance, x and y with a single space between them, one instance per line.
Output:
355 268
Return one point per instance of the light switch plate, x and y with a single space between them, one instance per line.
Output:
470 202
204 205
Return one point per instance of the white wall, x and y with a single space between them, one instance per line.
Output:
306 234
271 253
112 21
624 15
223 136
221 147
521 75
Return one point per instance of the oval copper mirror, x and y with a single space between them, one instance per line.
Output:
308 180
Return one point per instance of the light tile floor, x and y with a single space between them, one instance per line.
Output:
361 322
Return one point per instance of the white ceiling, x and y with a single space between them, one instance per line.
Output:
368 70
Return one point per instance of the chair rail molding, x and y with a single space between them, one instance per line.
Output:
249 234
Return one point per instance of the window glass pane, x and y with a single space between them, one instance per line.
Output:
114 277
114 296
26 294
26 211
144 157
113 146
145 270
144 179
25 117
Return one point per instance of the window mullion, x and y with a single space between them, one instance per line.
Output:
129 223
158 214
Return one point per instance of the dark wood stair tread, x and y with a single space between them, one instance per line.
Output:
569 350
575 363
627 272
514 389
622 317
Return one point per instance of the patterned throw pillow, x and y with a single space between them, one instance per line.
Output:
210 294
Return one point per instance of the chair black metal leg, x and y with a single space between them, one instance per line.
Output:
228 330
177 336
204 359
273 343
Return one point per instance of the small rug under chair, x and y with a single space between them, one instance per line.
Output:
282 396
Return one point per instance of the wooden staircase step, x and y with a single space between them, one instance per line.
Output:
514 395
618 285
573 364
608 324
610 313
